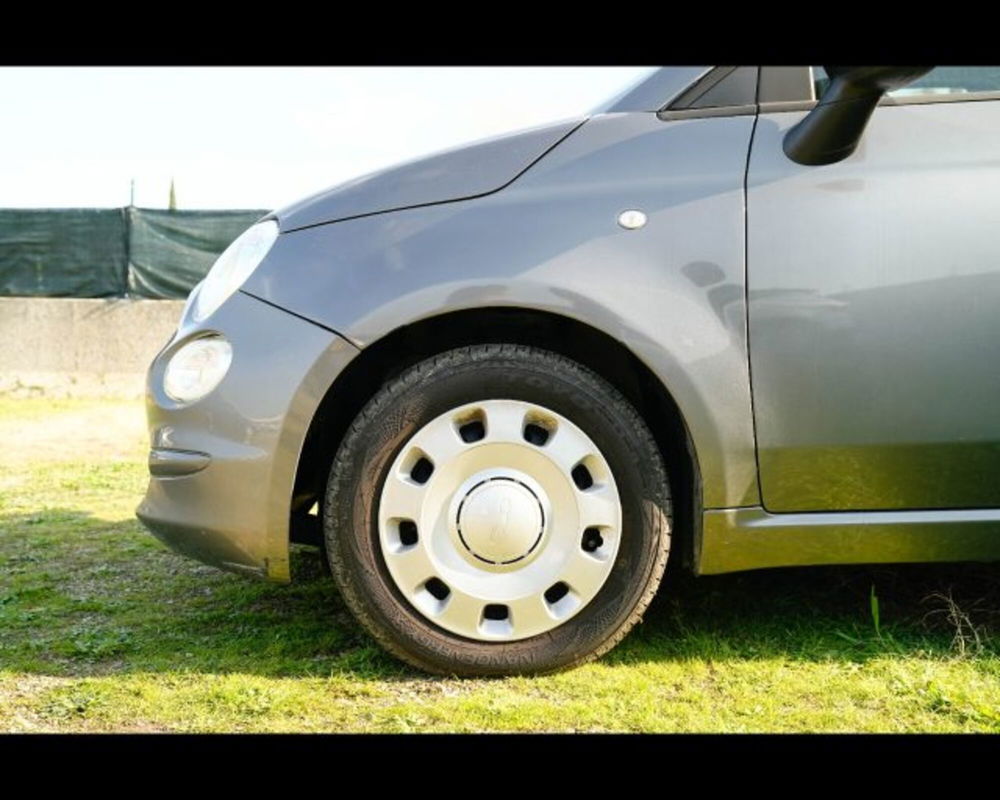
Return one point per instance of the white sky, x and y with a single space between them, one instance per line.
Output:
256 137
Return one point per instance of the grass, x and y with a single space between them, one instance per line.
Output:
103 629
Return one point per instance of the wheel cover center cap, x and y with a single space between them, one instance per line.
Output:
500 521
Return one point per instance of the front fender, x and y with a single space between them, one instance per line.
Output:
673 291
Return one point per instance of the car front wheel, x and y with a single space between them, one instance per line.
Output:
496 510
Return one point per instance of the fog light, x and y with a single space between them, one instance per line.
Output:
197 368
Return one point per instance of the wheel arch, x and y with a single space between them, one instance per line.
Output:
595 349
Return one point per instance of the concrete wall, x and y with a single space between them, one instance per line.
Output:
81 348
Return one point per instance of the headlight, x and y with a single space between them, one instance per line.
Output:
197 368
233 267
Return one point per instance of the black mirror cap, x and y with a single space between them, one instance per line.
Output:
832 130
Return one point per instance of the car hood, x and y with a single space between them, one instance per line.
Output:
470 171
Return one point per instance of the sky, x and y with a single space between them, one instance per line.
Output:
256 137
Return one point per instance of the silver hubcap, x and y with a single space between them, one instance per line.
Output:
499 520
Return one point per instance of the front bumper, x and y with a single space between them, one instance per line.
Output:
222 469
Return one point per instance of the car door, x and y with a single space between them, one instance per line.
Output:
874 301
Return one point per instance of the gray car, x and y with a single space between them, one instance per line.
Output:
738 317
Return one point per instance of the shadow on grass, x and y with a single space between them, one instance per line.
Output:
82 596
821 613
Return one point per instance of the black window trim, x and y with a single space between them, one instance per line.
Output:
682 106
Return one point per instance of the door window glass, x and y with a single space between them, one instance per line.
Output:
940 80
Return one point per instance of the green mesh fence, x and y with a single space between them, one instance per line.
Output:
88 252
73 252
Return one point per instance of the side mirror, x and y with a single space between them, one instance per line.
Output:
832 130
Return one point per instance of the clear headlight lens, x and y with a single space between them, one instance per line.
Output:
197 368
233 267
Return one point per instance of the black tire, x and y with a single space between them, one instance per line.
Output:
478 373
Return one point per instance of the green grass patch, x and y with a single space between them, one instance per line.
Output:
104 629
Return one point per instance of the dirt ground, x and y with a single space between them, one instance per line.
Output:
71 431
